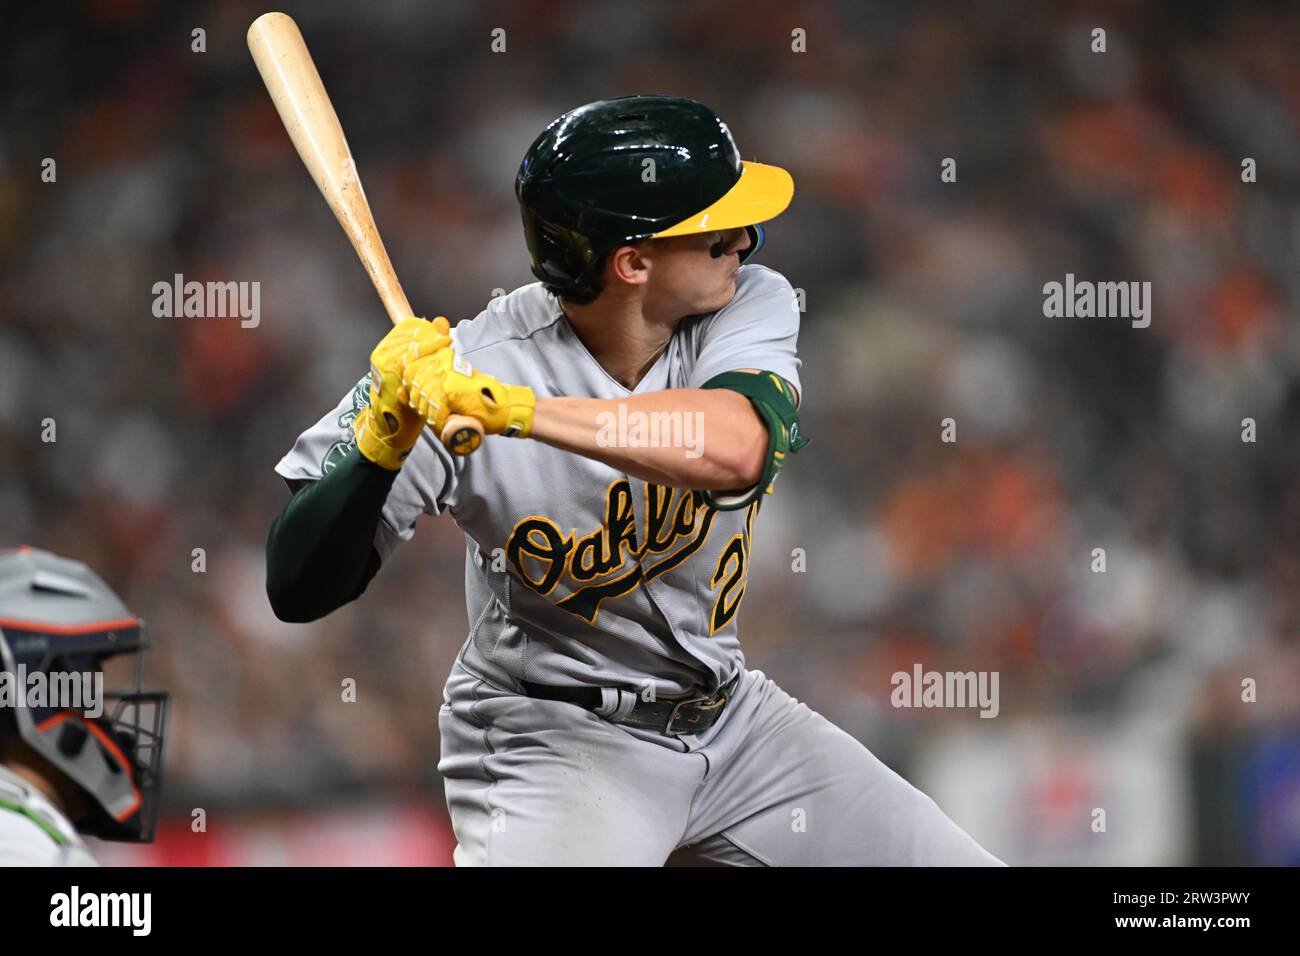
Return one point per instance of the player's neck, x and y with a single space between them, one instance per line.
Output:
620 337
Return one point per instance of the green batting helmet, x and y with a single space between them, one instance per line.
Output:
637 167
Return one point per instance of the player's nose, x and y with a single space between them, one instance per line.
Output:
739 241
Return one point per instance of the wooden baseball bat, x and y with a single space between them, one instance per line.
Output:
308 115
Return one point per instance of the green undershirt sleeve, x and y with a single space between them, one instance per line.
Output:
320 551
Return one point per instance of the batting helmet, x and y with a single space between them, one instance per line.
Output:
637 167
59 623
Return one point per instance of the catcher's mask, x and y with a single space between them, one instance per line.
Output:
59 624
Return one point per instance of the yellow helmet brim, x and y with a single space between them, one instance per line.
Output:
761 193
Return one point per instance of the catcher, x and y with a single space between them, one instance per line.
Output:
65 772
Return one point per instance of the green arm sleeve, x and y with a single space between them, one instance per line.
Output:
773 399
320 551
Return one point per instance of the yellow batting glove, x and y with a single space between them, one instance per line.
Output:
502 409
423 381
387 429
445 383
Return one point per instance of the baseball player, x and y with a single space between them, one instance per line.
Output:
65 771
646 389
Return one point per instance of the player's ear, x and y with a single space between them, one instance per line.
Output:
628 263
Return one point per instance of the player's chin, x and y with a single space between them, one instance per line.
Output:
728 291
708 302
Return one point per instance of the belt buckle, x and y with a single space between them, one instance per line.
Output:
712 702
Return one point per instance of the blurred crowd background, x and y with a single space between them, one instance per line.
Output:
1120 691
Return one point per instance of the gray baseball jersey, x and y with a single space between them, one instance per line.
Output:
577 573
32 831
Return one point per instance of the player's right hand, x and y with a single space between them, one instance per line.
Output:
388 428
445 384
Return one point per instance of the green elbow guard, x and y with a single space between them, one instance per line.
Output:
773 399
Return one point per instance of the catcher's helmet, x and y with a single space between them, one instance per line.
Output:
60 621
637 167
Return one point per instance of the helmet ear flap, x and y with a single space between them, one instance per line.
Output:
756 237
560 256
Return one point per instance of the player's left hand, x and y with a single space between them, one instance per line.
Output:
444 384
387 429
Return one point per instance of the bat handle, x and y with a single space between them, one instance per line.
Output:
461 434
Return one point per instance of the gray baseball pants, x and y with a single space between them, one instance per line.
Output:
773 783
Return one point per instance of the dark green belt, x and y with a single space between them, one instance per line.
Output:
690 716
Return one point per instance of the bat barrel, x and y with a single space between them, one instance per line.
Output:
308 115
299 96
